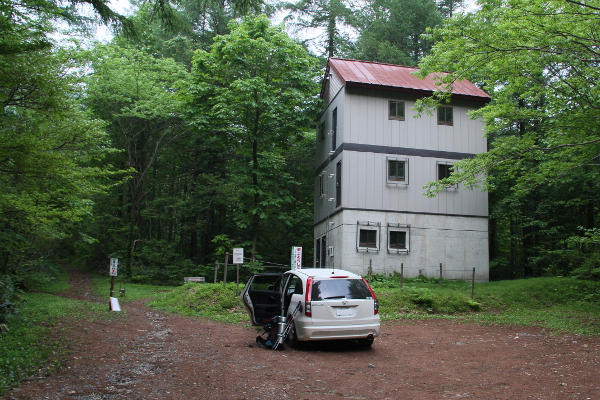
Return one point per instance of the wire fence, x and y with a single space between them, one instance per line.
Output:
469 275
468 278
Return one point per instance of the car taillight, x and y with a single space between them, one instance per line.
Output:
375 301
307 295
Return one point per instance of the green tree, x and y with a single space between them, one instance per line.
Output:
448 7
333 19
392 31
137 95
255 93
192 24
49 156
539 60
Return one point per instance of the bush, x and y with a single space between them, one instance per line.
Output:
214 301
9 299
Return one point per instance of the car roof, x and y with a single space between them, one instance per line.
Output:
325 273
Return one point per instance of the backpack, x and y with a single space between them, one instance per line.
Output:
268 337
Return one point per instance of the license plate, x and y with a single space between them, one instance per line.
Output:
343 311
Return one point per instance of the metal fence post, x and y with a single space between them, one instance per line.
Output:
473 284
401 276
225 269
237 279
441 277
216 271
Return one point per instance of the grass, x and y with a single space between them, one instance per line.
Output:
133 292
214 301
559 305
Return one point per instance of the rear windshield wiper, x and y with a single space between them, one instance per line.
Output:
334 297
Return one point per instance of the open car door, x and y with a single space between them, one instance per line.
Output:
262 297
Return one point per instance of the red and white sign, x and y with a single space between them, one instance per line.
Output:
114 264
296 257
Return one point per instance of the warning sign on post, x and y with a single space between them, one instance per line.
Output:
114 263
296 257
238 256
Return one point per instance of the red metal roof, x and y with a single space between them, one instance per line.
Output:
396 77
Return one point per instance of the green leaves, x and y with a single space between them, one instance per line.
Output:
255 92
537 59
49 150
392 30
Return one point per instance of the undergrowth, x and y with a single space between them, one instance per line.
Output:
214 301
560 305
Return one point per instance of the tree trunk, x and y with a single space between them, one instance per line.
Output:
256 201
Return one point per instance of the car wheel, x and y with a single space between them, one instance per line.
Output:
292 339
366 342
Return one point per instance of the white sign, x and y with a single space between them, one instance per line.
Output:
114 264
238 256
296 257
114 304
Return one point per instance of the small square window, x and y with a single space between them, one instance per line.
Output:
368 238
367 235
396 110
444 171
445 116
397 170
397 240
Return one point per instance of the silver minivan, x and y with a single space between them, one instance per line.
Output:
328 304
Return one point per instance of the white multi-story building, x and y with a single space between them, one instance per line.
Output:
373 160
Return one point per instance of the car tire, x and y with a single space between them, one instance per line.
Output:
366 342
292 338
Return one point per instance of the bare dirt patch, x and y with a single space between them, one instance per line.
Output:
145 354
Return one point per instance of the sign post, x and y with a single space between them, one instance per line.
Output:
238 258
114 265
113 302
296 258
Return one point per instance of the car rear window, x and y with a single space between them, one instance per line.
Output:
340 288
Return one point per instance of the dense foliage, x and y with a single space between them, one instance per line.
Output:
539 61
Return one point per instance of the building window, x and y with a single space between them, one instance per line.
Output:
321 184
333 129
338 184
367 237
322 130
444 170
398 237
396 110
398 240
445 116
397 170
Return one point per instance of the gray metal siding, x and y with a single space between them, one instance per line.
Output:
365 187
367 122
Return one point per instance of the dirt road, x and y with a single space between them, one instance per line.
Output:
145 354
